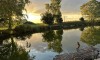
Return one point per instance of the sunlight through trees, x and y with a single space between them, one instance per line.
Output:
12 8
91 9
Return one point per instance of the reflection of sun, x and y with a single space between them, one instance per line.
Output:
33 17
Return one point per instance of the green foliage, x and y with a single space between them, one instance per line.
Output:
28 27
81 19
91 9
47 18
91 36
53 9
25 28
12 8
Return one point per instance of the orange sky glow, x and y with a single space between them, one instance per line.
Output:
36 8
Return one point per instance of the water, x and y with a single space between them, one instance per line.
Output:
46 45
41 51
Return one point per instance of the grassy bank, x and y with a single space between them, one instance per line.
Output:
33 28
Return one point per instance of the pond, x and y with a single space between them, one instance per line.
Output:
46 45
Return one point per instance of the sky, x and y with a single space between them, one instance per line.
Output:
69 8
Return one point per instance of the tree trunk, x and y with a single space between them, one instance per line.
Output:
10 25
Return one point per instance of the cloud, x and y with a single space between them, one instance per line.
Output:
67 6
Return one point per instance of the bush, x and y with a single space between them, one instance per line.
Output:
47 18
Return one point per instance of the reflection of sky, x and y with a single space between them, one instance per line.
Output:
40 49
70 39
47 55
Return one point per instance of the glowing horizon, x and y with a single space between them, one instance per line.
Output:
33 17
35 8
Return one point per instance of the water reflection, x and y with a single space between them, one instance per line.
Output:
82 28
23 36
53 38
45 45
9 50
91 36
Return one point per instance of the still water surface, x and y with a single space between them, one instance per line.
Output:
46 45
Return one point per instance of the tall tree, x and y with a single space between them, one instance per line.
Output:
47 18
12 8
91 9
55 10
47 7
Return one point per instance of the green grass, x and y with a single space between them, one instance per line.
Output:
3 28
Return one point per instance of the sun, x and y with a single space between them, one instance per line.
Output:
33 17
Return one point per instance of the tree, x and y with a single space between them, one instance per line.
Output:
12 8
47 18
52 11
55 10
91 9
47 7
81 19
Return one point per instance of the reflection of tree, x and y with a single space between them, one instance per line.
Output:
81 28
49 36
23 36
17 36
91 36
11 51
54 39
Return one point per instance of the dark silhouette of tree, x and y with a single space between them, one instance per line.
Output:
54 39
82 19
12 8
81 28
47 18
53 9
91 10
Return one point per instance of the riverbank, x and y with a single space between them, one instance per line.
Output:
89 53
29 28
